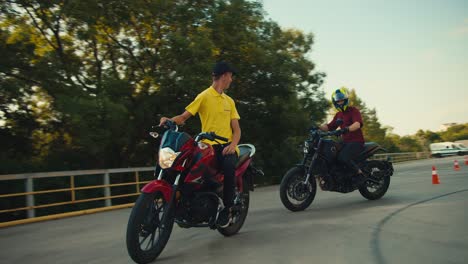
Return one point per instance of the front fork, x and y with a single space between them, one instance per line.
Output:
172 200
312 165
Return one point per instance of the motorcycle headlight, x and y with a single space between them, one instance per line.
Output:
167 157
306 147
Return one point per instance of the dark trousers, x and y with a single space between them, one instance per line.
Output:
227 163
349 151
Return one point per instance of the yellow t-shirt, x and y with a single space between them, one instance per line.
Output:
216 112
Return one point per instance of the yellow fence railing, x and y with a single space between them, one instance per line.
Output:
29 194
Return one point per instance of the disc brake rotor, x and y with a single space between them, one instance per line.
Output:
298 190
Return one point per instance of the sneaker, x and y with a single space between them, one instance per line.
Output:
224 218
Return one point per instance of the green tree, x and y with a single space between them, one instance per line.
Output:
454 133
409 144
85 80
427 137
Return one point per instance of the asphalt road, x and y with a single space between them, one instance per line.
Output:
415 222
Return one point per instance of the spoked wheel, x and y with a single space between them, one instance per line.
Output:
294 193
240 215
149 227
378 182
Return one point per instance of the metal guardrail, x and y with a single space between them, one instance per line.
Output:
29 193
400 157
106 185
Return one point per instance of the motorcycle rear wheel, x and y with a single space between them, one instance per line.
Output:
240 218
294 194
371 190
146 234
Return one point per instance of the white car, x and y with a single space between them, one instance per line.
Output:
463 149
447 148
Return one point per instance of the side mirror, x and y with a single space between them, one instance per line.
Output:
339 121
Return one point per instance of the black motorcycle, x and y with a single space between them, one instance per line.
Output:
298 186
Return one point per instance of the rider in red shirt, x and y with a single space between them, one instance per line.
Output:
351 133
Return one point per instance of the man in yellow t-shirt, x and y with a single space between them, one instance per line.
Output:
218 114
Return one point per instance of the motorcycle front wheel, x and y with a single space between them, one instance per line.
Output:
149 227
294 193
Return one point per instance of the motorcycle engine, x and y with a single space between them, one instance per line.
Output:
200 208
341 179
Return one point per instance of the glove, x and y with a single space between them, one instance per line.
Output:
343 131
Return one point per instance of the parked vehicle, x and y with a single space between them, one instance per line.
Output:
442 149
187 191
463 141
298 186
463 149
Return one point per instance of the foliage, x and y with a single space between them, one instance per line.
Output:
454 133
83 81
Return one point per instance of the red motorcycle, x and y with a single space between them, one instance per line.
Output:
188 191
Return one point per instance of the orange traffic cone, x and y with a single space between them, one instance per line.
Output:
435 177
466 160
456 166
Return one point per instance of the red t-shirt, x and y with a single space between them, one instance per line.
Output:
351 115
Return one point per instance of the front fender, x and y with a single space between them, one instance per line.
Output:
159 186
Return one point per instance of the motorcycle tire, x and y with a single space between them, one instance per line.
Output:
376 169
144 225
293 182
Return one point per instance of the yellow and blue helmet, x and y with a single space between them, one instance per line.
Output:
338 95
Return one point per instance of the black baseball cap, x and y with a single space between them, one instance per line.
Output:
222 67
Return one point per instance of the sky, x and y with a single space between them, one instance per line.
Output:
406 59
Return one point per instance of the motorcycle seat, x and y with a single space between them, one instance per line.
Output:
368 147
245 151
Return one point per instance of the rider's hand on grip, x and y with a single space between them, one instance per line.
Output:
342 131
167 123
162 121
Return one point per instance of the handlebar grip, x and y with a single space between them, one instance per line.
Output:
169 122
221 138
213 134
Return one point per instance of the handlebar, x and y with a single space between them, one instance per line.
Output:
169 124
210 136
220 137
325 133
